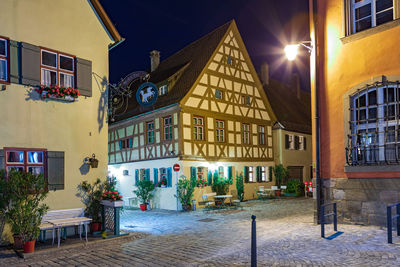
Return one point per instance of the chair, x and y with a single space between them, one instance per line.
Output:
261 192
206 201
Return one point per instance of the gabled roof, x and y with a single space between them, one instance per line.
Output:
105 20
186 65
292 113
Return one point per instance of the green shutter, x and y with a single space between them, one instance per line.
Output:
296 142
15 66
230 174
147 172
246 174
258 173
305 143
55 170
169 177
193 173
120 144
286 141
136 177
270 168
155 170
209 177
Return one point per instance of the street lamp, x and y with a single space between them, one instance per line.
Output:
291 52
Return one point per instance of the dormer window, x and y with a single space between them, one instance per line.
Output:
218 94
163 90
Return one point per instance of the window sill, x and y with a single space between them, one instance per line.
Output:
376 168
5 82
370 31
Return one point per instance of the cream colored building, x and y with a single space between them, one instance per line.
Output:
60 42
211 116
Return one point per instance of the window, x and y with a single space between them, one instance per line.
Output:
26 160
198 128
229 60
200 174
220 130
4 61
263 174
163 90
219 94
246 100
168 128
221 171
374 125
125 143
301 142
150 132
261 135
289 141
142 174
251 177
57 69
246 133
370 13
163 174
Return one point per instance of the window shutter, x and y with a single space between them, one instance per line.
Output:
270 173
136 177
304 143
296 142
209 177
169 177
246 174
2 165
30 64
155 176
286 141
258 170
84 76
14 62
348 13
147 174
55 170
230 172
193 173
130 140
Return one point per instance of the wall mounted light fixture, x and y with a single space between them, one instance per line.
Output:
93 162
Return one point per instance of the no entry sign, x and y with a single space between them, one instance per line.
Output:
177 167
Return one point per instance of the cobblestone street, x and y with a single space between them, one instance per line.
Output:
286 236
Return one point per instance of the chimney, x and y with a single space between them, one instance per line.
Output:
264 73
154 59
295 84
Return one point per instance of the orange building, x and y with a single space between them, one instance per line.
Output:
359 105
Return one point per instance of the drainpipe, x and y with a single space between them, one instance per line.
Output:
318 181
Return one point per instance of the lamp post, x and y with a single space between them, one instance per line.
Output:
291 52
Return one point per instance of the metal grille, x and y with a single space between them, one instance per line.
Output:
109 218
374 125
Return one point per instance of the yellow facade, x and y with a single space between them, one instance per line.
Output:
77 128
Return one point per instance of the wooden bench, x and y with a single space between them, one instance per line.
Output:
61 219
206 199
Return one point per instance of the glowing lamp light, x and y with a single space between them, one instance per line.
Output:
291 51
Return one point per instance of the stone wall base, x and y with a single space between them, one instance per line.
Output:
361 201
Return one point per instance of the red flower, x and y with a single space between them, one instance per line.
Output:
114 198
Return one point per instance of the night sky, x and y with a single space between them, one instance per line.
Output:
266 26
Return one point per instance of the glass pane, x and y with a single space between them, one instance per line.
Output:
66 80
383 4
388 95
384 17
363 12
390 133
66 63
362 115
363 24
3 70
372 98
35 157
18 168
3 50
49 59
389 112
49 77
35 170
372 115
15 156
361 101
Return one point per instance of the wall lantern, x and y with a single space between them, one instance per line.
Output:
93 162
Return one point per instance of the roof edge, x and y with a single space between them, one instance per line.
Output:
106 22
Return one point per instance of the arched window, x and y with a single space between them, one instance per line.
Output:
374 125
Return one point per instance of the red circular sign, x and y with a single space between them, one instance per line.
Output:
177 167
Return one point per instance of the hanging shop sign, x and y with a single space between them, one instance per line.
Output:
147 94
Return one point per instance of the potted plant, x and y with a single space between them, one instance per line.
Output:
162 182
185 192
91 195
293 188
24 211
144 192
281 173
240 186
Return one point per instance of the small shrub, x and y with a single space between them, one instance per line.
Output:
185 192
240 187
220 185
144 191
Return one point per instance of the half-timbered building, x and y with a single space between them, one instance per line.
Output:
211 116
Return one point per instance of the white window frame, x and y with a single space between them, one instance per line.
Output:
220 130
261 135
251 174
198 128
57 69
163 89
373 12
263 174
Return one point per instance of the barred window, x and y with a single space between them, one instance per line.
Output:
374 125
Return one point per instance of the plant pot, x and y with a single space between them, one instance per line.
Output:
114 204
278 193
290 195
18 242
143 207
29 246
95 227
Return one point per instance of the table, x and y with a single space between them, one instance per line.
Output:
60 223
222 197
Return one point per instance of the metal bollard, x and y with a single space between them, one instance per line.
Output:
194 205
389 224
253 242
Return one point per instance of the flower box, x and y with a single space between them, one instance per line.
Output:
163 186
60 93
114 204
